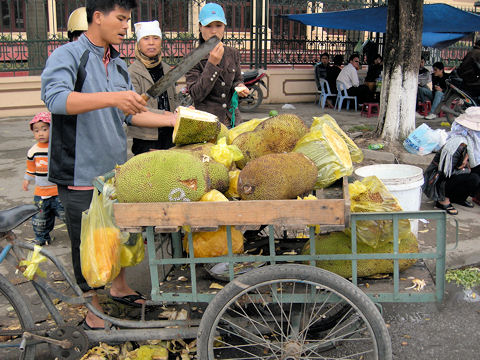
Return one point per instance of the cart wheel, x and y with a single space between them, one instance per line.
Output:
292 312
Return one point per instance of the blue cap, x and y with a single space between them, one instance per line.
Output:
211 12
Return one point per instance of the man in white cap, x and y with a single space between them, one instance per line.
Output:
147 69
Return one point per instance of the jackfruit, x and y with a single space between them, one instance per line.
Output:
164 175
223 132
232 189
218 173
249 125
275 135
194 126
277 176
355 152
329 153
340 243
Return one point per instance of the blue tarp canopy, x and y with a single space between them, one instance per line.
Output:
442 24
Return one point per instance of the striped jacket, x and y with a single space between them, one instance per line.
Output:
37 169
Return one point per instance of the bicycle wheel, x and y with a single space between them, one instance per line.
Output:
252 101
17 319
457 104
292 312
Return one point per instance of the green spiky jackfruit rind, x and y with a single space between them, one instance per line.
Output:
223 132
194 126
340 243
277 176
275 135
217 173
162 176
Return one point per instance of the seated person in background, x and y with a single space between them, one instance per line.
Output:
349 77
439 87
333 71
321 67
374 72
469 70
424 77
454 173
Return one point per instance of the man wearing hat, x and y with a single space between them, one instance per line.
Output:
147 69
454 173
214 80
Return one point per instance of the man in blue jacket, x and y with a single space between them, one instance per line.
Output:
86 86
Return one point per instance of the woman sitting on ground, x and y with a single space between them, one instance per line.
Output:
454 173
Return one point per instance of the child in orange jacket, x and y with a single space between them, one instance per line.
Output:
46 193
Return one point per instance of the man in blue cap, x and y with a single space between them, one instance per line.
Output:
214 80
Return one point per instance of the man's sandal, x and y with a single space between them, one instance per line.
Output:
447 207
129 300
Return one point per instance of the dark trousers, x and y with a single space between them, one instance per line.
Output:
459 187
362 93
44 221
74 203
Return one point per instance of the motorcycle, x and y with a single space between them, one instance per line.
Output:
455 100
251 79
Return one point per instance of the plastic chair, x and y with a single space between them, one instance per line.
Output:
343 95
317 83
325 92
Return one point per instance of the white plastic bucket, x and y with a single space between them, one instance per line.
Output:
403 181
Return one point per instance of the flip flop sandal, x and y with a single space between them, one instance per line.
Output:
85 326
129 299
448 208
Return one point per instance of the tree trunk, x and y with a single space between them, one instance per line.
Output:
402 54
37 38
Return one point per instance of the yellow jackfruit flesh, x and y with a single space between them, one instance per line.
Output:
355 152
275 135
214 195
232 189
340 243
277 176
329 153
163 176
194 126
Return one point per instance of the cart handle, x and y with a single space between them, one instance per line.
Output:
456 236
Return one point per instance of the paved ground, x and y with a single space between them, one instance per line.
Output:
16 138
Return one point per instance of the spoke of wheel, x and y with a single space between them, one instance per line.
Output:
239 347
258 338
313 315
275 296
271 314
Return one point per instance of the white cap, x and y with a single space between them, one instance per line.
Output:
147 28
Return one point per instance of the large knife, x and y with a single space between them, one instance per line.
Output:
188 62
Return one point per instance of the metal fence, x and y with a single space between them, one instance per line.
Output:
31 29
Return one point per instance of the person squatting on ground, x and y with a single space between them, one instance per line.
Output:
87 88
46 193
147 69
439 87
454 173
212 82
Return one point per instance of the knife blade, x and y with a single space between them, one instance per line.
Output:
188 62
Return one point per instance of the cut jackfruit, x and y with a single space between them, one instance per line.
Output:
355 152
329 153
195 126
275 135
277 176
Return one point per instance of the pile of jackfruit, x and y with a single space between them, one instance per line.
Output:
262 159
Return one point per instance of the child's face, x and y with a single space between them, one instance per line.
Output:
41 131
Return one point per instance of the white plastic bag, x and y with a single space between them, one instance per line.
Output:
423 140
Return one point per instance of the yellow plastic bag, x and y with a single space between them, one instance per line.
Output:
371 195
329 152
100 243
242 128
133 251
355 152
232 188
34 258
214 243
225 154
